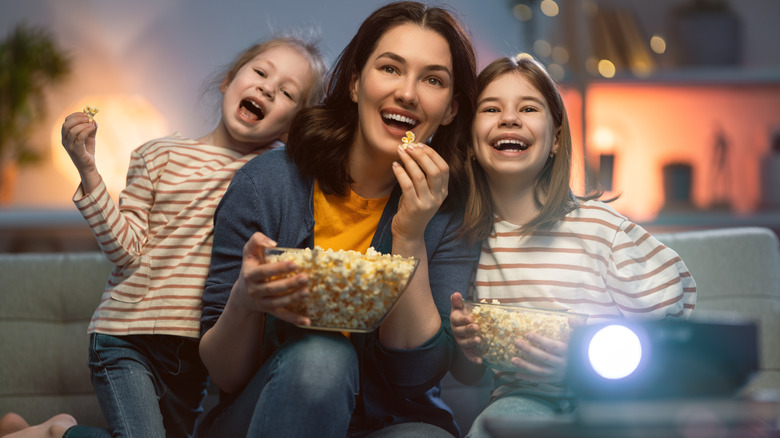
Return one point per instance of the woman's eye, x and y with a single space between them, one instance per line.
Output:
389 69
490 109
260 73
435 81
528 109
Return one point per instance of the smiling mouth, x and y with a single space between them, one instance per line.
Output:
510 145
399 122
251 109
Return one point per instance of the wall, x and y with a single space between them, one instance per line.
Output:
158 53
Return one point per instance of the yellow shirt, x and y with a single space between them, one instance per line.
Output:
345 222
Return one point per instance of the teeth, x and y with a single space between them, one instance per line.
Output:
259 108
504 142
400 118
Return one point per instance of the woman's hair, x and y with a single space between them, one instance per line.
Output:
552 191
321 136
305 46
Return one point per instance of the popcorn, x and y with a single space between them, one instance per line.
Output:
501 325
90 112
349 291
407 140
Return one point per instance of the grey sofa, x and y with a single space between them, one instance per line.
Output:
47 301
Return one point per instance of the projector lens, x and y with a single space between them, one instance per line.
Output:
614 352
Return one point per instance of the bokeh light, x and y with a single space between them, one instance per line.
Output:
549 8
658 44
523 12
606 68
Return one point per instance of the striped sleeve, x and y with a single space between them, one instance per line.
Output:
121 231
646 279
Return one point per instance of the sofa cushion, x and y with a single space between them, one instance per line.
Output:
48 300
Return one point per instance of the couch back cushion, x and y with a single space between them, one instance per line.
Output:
48 300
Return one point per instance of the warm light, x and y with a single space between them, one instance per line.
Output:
523 12
604 139
606 68
124 123
549 8
522 55
658 44
615 352
542 48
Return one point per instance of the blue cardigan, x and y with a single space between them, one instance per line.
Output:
271 196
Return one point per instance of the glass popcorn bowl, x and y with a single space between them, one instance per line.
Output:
500 325
349 291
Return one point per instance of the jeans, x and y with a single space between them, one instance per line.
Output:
307 388
518 406
148 386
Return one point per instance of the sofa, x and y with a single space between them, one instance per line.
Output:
48 298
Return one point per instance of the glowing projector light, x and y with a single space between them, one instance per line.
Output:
615 352
660 359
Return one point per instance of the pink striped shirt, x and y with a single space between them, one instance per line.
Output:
594 262
159 237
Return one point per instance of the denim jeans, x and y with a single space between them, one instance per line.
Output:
148 386
518 406
307 388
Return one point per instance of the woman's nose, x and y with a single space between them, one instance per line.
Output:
406 92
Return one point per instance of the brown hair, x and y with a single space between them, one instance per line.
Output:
321 136
552 190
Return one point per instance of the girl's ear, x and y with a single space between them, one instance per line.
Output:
225 82
554 149
452 111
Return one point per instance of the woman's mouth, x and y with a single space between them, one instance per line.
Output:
251 110
398 121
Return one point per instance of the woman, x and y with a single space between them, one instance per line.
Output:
344 183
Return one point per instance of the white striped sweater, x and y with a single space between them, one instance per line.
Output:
159 237
594 262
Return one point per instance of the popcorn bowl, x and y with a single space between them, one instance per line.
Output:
500 325
348 291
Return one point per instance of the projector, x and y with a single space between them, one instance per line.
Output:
629 360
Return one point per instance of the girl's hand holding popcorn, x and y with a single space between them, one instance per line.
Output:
464 330
543 363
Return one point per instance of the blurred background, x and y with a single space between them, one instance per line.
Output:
674 104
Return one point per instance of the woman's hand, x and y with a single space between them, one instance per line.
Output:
78 139
464 330
263 286
424 178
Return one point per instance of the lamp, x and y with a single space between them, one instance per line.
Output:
660 359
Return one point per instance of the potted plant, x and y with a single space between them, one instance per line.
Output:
30 62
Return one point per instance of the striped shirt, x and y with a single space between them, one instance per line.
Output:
159 237
594 262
